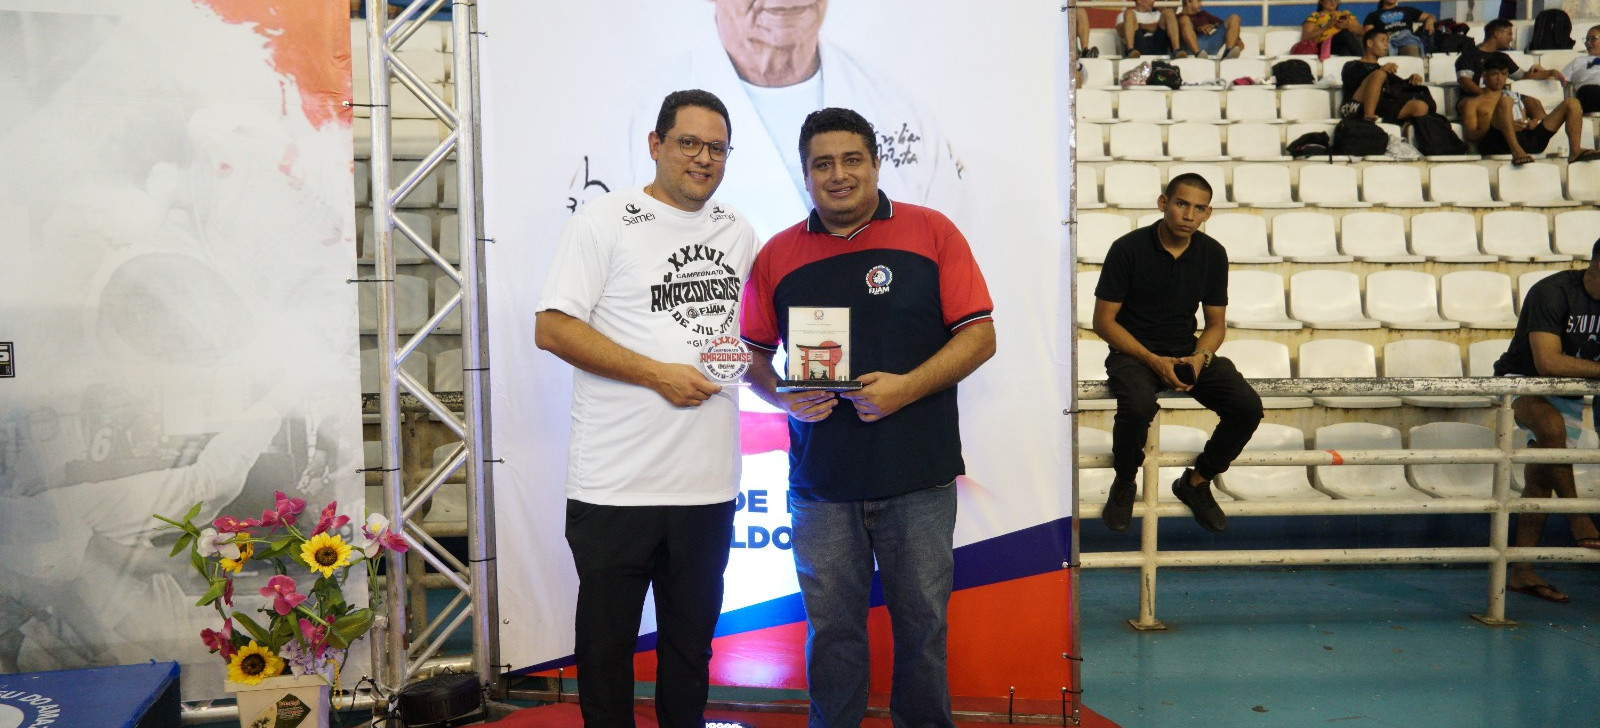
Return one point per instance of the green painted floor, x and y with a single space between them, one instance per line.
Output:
1340 647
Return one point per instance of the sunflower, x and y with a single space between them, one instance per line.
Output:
252 664
326 552
246 549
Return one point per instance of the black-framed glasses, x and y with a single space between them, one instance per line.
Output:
691 146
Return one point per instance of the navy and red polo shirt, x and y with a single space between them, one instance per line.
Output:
910 282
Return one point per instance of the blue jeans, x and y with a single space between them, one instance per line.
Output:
834 546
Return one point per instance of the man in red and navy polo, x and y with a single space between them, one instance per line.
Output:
872 471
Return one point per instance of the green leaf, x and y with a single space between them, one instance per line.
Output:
214 593
256 632
183 543
350 628
198 563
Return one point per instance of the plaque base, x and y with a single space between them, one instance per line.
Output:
812 385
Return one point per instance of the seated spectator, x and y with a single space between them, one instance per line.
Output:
1502 121
1375 92
1330 32
1205 35
1583 73
1080 30
1401 24
1148 30
1554 338
1498 35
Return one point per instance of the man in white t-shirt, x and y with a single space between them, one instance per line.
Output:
643 279
1583 73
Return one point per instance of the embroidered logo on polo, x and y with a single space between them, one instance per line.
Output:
878 279
635 215
700 291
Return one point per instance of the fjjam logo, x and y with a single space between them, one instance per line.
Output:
878 279
634 215
717 213
700 291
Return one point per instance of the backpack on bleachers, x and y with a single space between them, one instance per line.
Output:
1292 72
1309 144
1450 36
1433 136
1552 30
1358 137
1163 73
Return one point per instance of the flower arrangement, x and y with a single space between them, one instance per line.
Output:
303 631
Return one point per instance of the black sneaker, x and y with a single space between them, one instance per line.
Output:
1092 52
1199 500
1118 513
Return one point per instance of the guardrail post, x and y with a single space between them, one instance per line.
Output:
1148 523
1500 520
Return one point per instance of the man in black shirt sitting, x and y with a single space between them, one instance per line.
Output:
1153 280
1375 92
1558 335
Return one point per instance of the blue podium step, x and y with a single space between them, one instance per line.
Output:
130 696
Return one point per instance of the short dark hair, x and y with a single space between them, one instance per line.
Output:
834 118
1594 253
1187 178
1375 32
692 97
1497 62
1494 26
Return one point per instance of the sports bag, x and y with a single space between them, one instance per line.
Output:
1552 30
1292 72
1164 74
1359 138
1433 136
1309 144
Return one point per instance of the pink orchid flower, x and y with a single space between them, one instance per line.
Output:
329 521
316 636
229 524
220 641
227 592
284 510
379 536
281 589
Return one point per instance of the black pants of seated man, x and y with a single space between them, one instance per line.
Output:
1220 388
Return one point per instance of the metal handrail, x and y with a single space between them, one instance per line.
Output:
1500 506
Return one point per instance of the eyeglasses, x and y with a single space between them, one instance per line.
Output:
691 146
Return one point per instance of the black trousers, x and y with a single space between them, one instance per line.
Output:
1588 97
1219 387
620 551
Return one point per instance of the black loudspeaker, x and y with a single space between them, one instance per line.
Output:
441 700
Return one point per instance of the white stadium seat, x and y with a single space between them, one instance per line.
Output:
1306 237
1094 104
1533 185
1328 299
1250 103
1088 187
1261 359
1272 482
1479 299
1462 185
1305 104
1519 235
1092 368
1407 358
1195 140
1136 141
1375 237
1141 104
1342 358
1577 230
1091 142
1254 141
1132 185
1481 356
1404 299
1256 301
1196 105
1263 185
1447 236
1393 185
1330 185
1244 236
1087 279
1452 480
1096 231
1354 482
1526 281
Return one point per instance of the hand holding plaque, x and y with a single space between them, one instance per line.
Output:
818 353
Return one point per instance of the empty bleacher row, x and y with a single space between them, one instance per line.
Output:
1420 481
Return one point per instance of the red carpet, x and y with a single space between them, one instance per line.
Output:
565 715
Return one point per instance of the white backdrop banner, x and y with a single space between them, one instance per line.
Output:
963 96
176 233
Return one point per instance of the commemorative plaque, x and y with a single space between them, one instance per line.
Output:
818 353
